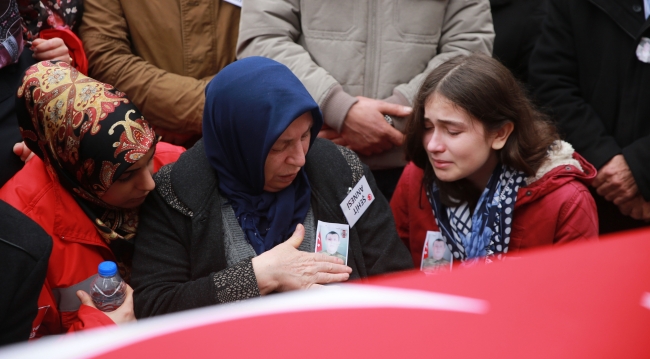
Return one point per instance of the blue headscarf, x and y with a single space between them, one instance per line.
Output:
248 105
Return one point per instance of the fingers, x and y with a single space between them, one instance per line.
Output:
47 45
598 180
602 178
129 295
324 278
641 210
85 299
606 189
52 49
395 137
626 207
18 149
329 134
616 191
37 42
297 236
394 109
622 197
333 268
124 313
328 264
333 136
320 257
21 150
375 141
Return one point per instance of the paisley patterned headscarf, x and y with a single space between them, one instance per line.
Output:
87 133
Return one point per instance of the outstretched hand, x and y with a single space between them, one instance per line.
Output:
121 315
285 268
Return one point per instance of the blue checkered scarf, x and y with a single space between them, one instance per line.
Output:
486 232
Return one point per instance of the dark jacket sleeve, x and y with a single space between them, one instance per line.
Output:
163 278
383 250
24 254
554 76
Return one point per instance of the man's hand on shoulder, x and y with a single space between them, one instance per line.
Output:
365 129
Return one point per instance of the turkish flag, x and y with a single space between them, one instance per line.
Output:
319 246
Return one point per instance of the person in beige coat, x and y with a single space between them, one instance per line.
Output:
162 54
364 59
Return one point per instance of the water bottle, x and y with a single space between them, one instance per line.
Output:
107 290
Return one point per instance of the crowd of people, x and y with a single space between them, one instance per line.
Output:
201 144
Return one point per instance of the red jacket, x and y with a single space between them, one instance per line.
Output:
556 208
77 247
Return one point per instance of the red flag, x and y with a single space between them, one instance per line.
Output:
319 246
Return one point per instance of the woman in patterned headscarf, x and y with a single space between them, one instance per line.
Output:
94 165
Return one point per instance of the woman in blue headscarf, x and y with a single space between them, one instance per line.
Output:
236 216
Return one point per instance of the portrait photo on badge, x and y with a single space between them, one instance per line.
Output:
332 239
436 255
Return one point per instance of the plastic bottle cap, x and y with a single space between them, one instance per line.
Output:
107 269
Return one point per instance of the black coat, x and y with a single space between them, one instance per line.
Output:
24 252
10 79
180 261
517 25
585 73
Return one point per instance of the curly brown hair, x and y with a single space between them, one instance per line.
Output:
487 91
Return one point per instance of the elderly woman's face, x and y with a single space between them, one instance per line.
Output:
287 155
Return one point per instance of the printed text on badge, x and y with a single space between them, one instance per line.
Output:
357 201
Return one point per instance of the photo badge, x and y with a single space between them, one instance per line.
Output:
436 256
333 239
357 201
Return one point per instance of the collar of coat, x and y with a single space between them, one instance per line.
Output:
562 165
633 24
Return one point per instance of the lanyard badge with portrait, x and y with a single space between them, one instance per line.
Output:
357 201
334 238
436 256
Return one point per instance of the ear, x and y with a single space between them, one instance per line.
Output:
501 136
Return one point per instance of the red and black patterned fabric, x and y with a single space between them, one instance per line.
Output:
87 133
11 39
39 15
